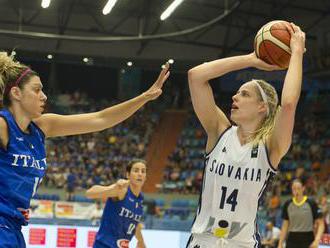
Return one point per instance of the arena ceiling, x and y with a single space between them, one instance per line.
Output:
199 30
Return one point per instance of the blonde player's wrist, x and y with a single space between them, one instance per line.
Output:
250 59
297 52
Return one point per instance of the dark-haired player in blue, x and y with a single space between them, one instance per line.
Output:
23 129
123 210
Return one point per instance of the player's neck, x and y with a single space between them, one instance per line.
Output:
22 120
245 133
136 190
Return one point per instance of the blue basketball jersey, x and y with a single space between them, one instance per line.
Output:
22 167
119 221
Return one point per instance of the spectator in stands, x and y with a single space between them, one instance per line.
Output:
272 236
23 129
97 214
323 203
299 216
70 184
256 143
300 173
274 204
121 218
275 200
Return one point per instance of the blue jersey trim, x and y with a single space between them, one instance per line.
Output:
268 159
256 235
39 129
208 153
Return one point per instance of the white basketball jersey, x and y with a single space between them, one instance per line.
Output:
235 178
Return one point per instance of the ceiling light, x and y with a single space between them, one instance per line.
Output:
108 7
170 9
45 3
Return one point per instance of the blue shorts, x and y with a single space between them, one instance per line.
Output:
122 243
98 244
10 237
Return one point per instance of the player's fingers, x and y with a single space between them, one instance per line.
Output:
299 29
164 70
161 76
165 78
295 27
289 27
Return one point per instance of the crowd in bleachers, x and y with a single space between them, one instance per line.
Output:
79 162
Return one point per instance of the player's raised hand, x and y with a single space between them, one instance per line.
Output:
122 184
298 37
156 89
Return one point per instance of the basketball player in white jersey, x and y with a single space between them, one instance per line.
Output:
242 158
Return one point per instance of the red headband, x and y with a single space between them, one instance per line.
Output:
18 80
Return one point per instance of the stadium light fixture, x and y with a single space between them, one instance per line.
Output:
170 9
45 3
108 7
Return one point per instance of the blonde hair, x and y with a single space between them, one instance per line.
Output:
10 71
268 123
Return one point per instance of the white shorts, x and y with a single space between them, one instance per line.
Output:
207 241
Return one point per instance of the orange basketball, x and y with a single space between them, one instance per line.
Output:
272 44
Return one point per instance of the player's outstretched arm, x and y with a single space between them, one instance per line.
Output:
116 190
62 125
280 140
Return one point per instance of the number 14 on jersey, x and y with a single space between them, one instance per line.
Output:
227 198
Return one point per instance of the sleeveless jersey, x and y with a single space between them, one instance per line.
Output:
22 167
235 178
119 221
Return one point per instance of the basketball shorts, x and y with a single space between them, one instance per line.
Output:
205 241
10 237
